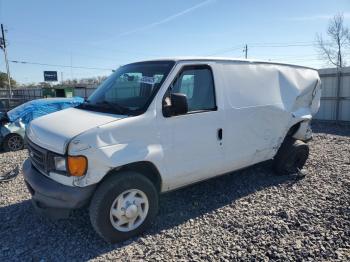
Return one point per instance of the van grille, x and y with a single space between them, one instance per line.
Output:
38 156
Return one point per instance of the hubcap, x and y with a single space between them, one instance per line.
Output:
129 210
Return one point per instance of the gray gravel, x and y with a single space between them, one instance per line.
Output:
248 215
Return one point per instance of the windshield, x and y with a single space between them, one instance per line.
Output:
130 89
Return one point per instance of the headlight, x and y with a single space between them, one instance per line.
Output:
60 163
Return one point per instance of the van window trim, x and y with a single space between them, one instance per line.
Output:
189 67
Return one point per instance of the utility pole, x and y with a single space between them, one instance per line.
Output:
71 66
3 46
245 51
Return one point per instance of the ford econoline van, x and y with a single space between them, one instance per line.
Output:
159 125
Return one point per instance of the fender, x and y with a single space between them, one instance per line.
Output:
117 144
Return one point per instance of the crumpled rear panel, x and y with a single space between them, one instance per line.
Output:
262 101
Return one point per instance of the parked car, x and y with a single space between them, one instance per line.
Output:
156 126
2 108
14 122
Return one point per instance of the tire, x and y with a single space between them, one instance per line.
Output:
122 186
13 142
290 157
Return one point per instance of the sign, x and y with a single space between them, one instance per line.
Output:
50 75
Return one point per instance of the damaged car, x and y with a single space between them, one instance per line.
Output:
159 125
14 122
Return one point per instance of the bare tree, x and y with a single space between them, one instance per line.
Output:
338 38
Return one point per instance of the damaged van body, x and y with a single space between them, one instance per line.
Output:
14 122
159 125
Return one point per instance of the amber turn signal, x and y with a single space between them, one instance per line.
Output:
77 165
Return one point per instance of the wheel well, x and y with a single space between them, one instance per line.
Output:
293 129
145 168
12 134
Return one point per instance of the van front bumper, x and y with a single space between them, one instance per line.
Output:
52 198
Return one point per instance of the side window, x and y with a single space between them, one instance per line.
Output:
187 85
197 83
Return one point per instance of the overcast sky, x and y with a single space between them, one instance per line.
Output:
101 35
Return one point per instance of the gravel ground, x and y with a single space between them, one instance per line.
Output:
247 215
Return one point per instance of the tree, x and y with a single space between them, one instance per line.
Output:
4 80
338 39
44 85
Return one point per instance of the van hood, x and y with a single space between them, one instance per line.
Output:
54 131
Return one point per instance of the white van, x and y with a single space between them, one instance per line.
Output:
158 125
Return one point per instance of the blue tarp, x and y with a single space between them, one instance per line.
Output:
36 108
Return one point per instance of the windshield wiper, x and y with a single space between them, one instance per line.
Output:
114 106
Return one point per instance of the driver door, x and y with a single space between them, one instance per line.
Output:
195 149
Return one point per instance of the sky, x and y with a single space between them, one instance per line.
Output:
84 38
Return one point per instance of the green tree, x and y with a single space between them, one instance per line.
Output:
4 81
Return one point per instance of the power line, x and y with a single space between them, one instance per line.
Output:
264 45
69 66
300 57
75 53
290 56
289 45
225 50
89 45
282 43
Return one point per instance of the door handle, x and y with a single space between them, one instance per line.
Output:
220 133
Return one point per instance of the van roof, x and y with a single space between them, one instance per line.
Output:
229 59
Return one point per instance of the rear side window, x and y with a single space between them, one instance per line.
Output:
197 83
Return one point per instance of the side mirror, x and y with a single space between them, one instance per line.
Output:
178 106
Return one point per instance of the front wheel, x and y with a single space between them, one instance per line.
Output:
291 157
123 206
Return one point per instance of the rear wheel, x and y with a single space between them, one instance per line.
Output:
13 142
123 206
291 156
